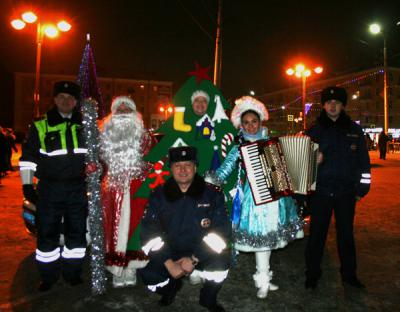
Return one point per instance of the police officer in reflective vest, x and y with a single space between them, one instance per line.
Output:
185 230
343 178
54 152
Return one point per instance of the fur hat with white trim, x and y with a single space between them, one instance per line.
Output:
123 99
244 104
199 93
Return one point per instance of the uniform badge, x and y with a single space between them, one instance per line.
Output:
353 147
199 205
205 223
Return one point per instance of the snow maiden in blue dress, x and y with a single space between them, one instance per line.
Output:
259 228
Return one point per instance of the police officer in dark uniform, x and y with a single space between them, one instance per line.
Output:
186 228
54 152
343 178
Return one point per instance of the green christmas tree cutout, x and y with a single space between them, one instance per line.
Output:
211 133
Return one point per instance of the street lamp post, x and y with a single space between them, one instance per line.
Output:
303 98
385 87
376 29
50 31
36 93
300 71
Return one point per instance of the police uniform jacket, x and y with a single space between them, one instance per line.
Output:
55 147
345 168
177 224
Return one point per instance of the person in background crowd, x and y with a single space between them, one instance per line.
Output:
3 154
382 144
10 139
368 142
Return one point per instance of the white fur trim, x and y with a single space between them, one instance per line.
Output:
246 103
215 276
119 100
115 270
137 264
200 93
123 226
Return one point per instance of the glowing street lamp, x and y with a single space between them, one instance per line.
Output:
301 71
64 26
48 30
167 110
29 17
18 24
376 29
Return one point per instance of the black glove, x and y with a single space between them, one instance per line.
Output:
303 204
30 193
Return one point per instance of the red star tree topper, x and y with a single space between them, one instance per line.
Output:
200 73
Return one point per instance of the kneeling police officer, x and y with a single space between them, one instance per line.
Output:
185 230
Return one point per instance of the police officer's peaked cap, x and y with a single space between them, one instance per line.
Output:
334 93
182 153
68 87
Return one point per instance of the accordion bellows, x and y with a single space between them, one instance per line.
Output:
280 167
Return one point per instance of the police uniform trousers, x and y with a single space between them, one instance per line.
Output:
321 211
156 276
58 200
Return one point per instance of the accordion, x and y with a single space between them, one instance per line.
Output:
280 167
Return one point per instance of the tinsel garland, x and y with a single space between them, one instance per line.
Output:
93 178
87 79
122 259
272 240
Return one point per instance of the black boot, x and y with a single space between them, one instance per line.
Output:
353 281
168 292
50 272
311 283
312 278
45 286
75 281
208 297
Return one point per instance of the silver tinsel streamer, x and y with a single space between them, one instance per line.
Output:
272 240
92 140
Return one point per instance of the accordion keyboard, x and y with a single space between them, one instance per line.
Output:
256 171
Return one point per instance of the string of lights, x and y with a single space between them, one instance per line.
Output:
355 80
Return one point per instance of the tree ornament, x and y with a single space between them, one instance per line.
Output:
219 114
179 120
200 73
158 175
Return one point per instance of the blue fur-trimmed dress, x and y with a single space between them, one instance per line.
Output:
261 227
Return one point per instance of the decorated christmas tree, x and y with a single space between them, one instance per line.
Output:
212 133
87 78
91 108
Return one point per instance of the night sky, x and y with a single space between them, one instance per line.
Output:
162 39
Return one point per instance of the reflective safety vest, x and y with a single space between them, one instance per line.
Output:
53 139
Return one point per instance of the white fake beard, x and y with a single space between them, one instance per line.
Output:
121 148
